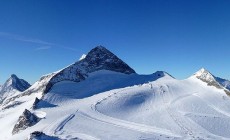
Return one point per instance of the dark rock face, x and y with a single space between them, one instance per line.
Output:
37 135
26 120
100 58
36 101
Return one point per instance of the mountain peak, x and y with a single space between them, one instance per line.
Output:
201 71
207 77
99 51
14 76
204 74
101 58
15 83
100 47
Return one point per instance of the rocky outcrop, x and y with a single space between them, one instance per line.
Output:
27 119
37 135
36 101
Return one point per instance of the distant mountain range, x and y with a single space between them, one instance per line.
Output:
101 97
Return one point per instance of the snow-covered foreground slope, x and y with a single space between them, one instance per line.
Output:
154 108
101 97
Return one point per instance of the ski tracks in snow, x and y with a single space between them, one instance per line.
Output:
95 115
61 125
176 118
56 128
191 131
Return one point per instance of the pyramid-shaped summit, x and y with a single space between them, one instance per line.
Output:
15 83
99 58
12 86
211 80
204 75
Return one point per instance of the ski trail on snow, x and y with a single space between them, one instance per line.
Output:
57 126
95 115
213 106
61 125
176 119
183 122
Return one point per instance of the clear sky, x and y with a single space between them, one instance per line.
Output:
178 36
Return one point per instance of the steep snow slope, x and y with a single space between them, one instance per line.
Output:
165 108
225 83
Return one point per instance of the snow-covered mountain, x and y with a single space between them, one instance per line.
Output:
101 97
211 80
13 86
97 59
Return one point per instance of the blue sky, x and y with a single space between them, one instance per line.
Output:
178 36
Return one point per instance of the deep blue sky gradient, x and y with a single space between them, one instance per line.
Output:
178 36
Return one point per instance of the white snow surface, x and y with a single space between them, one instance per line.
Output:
82 57
111 106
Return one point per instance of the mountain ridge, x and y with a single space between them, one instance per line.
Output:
101 93
99 58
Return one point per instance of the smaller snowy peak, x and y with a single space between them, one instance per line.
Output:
211 80
204 75
15 83
82 57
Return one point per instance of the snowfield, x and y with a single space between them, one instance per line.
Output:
163 108
109 105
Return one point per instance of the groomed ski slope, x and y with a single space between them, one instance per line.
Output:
164 108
